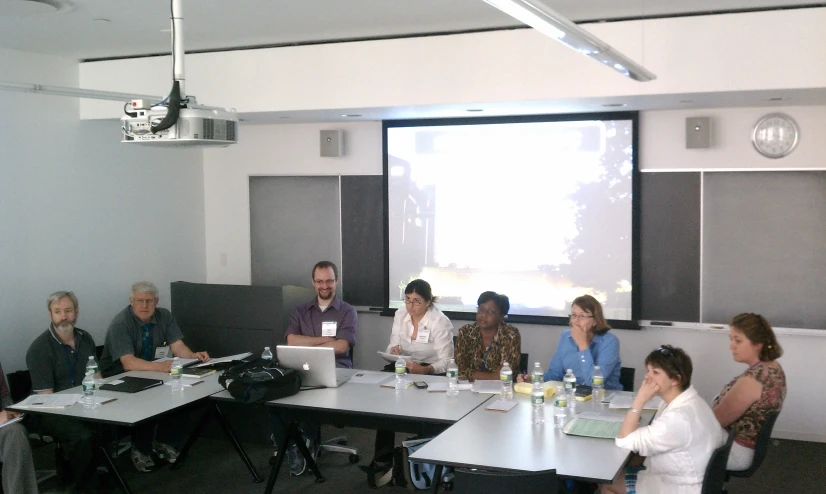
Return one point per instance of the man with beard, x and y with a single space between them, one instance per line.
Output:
324 321
57 360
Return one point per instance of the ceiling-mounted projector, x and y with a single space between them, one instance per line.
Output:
178 120
195 125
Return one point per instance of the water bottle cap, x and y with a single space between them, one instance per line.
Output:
266 348
569 370
596 367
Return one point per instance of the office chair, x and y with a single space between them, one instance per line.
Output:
714 480
338 444
472 481
761 447
627 378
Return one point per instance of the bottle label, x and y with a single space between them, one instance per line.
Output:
176 371
561 401
569 385
400 369
89 387
451 373
538 399
537 378
504 377
599 381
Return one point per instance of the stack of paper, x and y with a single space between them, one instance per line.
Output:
501 406
487 387
58 400
221 360
595 424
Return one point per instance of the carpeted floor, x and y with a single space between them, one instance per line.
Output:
214 467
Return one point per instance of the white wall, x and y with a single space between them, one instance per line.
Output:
80 211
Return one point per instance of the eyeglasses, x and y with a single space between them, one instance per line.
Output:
143 301
580 316
490 312
415 302
324 282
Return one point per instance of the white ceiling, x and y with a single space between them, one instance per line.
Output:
140 27
95 29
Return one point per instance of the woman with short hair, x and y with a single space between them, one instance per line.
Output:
679 441
744 404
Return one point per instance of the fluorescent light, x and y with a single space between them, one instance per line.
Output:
550 23
73 92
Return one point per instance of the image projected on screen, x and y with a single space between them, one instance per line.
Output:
538 211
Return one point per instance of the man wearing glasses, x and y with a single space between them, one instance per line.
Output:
323 321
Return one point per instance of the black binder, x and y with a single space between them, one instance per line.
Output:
132 384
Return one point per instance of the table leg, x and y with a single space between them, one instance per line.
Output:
114 469
437 479
302 446
238 448
182 454
278 460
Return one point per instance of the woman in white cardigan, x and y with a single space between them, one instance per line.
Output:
679 441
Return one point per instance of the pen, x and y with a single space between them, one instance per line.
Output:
110 400
197 383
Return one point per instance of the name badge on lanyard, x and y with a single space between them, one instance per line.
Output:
162 352
328 328
423 336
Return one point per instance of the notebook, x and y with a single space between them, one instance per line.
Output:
315 364
130 384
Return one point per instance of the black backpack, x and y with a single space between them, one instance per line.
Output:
259 381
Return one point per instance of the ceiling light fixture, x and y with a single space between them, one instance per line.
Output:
552 24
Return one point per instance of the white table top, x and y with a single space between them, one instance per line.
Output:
132 408
372 399
510 441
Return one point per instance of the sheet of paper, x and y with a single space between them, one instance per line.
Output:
437 387
186 384
389 357
501 406
113 382
58 400
16 419
221 360
625 401
368 377
487 387
608 417
592 428
465 386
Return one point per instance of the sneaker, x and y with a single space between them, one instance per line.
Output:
143 463
298 464
165 451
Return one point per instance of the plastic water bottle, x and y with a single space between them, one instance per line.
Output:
560 404
266 354
401 374
506 377
598 385
537 375
538 402
452 378
570 388
177 372
89 387
92 366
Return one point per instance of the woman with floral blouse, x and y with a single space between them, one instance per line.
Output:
484 346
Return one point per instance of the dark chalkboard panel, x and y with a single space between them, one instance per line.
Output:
362 243
670 246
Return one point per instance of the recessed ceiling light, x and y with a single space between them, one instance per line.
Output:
686 101
283 117
351 115
614 105
776 98
474 109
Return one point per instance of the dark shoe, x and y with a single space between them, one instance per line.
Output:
379 474
298 464
143 463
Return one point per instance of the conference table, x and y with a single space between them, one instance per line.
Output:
362 402
511 442
132 409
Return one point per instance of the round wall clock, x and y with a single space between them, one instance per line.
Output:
775 135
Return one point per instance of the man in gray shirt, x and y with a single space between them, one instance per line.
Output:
139 334
57 361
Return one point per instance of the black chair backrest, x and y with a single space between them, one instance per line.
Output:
715 478
475 481
20 385
761 447
627 378
523 363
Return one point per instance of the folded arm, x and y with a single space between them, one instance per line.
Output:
741 396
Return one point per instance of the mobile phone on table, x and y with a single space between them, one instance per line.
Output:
420 384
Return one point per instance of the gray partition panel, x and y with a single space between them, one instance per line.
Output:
670 246
294 223
764 247
362 239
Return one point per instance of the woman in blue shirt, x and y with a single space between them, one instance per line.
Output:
587 343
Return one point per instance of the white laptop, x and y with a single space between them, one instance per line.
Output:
315 364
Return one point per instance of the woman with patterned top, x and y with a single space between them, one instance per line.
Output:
484 346
749 398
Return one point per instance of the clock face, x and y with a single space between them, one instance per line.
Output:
775 135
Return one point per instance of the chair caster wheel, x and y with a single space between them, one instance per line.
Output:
354 459
448 486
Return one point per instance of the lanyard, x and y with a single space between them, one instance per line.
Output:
146 342
72 368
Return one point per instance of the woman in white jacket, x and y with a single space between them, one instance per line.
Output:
679 441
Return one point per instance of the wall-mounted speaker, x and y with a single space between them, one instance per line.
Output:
332 143
698 133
